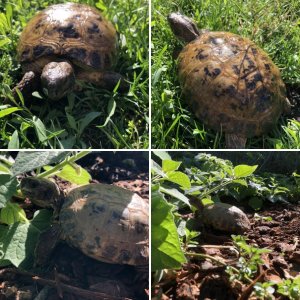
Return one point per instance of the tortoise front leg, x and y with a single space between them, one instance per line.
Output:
105 80
27 85
47 241
234 141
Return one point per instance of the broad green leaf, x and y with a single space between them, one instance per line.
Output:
8 187
73 173
176 194
72 121
166 252
156 169
4 169
18 244
18 241
206 201
180 178
3 262
40 129
8 111
170 165
244 170
12 213
29 160
14 141
88 118
163 155
241 181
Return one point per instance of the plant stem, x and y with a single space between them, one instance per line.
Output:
68 160
217 261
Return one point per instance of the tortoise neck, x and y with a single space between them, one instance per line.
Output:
183 27
196 202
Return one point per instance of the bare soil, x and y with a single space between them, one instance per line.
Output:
205 279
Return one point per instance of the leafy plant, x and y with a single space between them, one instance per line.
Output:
169 189
250 259
211 178
18 235
209 173
289 288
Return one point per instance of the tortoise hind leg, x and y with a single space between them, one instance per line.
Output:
106 80
234 141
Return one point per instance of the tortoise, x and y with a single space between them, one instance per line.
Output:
105 222
65 42
228 81
222 216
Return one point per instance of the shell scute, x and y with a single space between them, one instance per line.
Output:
229 81
71 31
108 223
225 217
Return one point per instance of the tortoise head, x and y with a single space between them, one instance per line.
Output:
40 191
57 79
183 27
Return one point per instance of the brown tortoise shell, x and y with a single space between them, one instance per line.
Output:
107 223
225 217
231 84
70 31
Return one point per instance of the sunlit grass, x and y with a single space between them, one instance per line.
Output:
89 118
273 25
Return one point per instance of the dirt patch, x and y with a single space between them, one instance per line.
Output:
205 279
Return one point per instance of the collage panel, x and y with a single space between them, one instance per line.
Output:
225 74
74 74
225 225
75 212
74 225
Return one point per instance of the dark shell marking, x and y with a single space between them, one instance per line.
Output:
231 84
107 223
70 31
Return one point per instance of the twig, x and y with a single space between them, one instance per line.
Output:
78 291
64 287
232 248
247 292
215 246
69 160
217 261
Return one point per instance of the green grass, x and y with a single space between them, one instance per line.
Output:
92 117
273 25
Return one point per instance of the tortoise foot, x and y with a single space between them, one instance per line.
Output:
234 141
